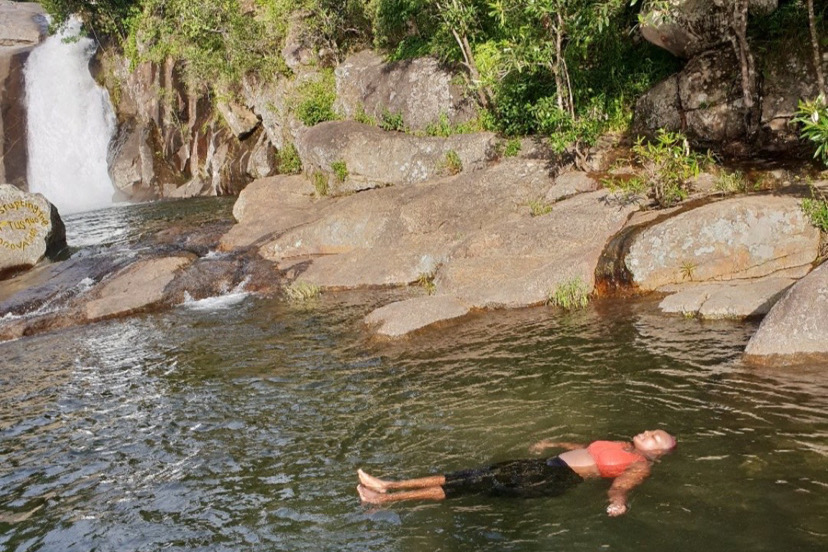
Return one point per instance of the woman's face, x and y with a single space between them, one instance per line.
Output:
654 441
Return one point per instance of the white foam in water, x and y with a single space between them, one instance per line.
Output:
70 124
226 300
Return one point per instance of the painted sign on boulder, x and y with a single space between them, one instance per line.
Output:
30 229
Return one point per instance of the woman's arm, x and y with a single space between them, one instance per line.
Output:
623 484
540 446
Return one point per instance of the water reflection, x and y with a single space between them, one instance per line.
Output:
241 429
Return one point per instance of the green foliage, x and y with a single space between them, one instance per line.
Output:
300 290
392 121
289 161
364 118
666 166
451 163
539 207
731 182
102 17
512 148
813 116
320 183
426 281
340 169
816 209
570 295
315 99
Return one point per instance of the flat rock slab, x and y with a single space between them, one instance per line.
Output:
797 326
22 24
267 208
404 317
136 287
726 300
742 238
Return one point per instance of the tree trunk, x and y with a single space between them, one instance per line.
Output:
468 57
741 48
817 54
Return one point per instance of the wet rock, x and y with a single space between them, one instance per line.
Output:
736 239
22 27
726 300
375 158
404 317
137 287
419 90
795 327
30 229
53 286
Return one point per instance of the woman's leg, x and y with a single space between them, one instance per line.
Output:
428 493
382 485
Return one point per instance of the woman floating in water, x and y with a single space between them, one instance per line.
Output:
628 464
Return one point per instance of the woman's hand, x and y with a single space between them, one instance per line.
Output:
617 507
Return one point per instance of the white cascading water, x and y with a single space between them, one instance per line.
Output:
70 124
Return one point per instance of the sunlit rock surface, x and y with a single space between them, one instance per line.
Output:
138 286
375 158
418 90
30 229
726 300
797 326
736 239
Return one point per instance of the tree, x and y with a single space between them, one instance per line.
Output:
741 48
816 50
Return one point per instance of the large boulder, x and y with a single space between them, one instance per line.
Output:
795 328
420 90
375 158
30 229
703 101
686 28
737 239
471 239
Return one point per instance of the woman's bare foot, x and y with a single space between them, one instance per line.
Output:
373 483
369 496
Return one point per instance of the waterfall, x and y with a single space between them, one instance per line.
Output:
70 123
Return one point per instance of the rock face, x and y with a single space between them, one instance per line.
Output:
374 158
689 27
795 327
736 239
170 143
22 27
30 229
704 100
418 90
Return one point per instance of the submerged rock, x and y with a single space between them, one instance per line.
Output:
795 328
30 229
404 317
736 239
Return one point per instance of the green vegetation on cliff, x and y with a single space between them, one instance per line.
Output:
568 69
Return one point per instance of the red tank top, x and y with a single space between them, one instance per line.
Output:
612 458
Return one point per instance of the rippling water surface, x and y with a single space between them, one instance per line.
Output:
240 427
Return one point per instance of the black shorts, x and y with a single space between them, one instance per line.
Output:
518 478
